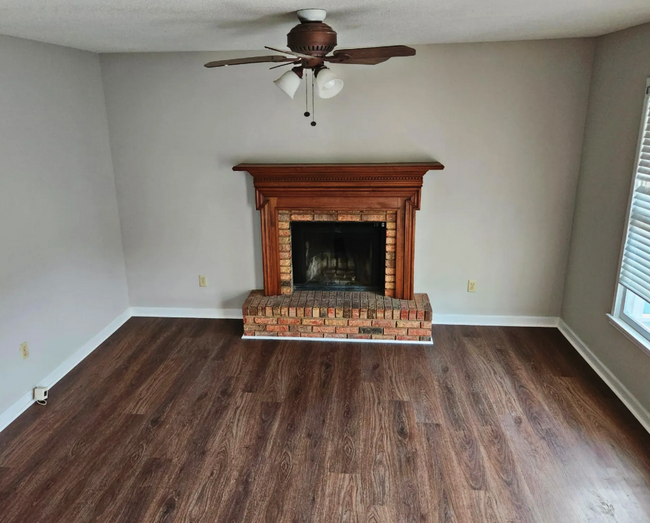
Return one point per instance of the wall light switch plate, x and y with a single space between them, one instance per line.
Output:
203 281
24 350
471 285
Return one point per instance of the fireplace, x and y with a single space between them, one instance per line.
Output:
338 247
338 256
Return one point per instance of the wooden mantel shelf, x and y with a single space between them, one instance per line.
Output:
334 168
394 187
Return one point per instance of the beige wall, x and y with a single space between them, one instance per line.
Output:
506 119
62 276
621 67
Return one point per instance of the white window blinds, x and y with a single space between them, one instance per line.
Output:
635 266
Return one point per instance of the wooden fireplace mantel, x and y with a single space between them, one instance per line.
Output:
339 187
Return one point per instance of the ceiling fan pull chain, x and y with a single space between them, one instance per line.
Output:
313 106
306 95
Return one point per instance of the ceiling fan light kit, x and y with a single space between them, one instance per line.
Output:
310 43
329 85
289 82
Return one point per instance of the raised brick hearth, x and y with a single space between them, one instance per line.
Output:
349 315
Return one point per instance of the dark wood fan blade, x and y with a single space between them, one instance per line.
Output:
370 55
250 60
359 61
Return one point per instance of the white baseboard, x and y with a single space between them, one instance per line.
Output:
635 407
344 340
495 321
173 312
26 400
440 319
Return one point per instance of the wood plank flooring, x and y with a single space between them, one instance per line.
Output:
179 420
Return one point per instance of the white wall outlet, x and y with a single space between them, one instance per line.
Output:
203 281
24 350
471 285
40 395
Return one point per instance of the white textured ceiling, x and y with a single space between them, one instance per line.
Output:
202 25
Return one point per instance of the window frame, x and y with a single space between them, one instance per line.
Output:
618 317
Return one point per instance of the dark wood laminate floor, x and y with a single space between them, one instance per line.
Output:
180 420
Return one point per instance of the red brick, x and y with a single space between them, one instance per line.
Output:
265 320
302 217
420 315
409 324
264 333
311 335
349 217
331 312
384 323
408 338
395 332
359 336
300 328
289 321
249 319
419 332
426 325
337 322
361 323
373 217
382 337
277 328
324 329
312 321
332 335
347 330
288 334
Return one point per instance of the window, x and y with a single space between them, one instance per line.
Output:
632 303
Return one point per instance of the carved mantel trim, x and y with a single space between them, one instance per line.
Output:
355 187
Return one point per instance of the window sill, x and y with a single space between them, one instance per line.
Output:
630 334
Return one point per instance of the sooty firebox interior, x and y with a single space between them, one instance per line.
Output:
338 256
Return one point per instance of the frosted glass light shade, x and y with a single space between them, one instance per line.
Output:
328 83
289 83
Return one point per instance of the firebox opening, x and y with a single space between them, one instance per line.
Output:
335 256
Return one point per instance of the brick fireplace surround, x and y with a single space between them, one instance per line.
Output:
386 193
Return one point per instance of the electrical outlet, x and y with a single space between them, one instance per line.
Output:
24 350
471 285
203 281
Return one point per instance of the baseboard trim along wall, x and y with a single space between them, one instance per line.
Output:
27 399
173 312
496 321
635 407
439 319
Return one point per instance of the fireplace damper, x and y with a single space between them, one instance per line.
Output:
337 256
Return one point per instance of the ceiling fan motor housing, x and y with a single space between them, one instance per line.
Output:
312 38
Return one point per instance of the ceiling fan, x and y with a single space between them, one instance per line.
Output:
309 43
